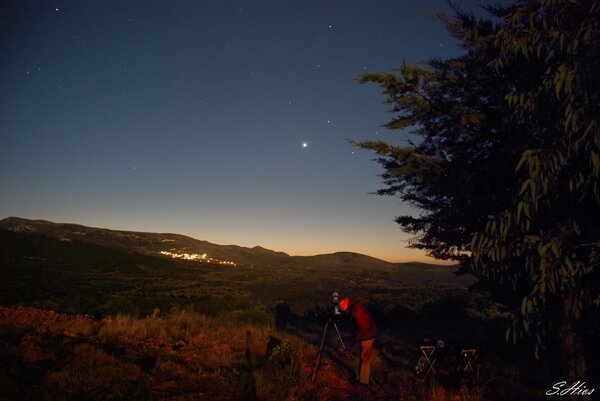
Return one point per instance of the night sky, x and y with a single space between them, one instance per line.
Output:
224 120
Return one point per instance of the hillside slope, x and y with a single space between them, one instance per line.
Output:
154 243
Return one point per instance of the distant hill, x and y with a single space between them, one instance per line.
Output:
154 243
80 269
342 259
141 242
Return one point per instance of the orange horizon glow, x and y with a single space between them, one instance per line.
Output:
399 255
390 245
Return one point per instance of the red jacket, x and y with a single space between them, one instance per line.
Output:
365 324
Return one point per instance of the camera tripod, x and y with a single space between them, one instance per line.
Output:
331 320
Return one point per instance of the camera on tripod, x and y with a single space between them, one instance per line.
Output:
333 311
334 314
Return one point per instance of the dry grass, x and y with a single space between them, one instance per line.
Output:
93 375
435 392
75 325
189 356
219 351
127 325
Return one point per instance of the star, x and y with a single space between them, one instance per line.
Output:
305 145
330 26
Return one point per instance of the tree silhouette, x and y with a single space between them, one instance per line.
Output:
504 161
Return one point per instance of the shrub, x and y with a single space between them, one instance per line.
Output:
284 354
94 375
253 316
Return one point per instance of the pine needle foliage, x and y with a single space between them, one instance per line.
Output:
504 161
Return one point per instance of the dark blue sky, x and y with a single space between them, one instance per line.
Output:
190 117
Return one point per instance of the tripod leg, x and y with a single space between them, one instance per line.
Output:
320 352
339 336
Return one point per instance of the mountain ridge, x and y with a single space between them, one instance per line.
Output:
155 243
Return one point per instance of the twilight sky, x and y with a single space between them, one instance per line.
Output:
223 120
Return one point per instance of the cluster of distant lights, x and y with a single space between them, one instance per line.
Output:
196 258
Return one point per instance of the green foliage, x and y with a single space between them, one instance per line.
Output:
451 167
505 165
552 229
89 279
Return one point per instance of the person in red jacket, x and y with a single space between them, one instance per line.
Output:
366 330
